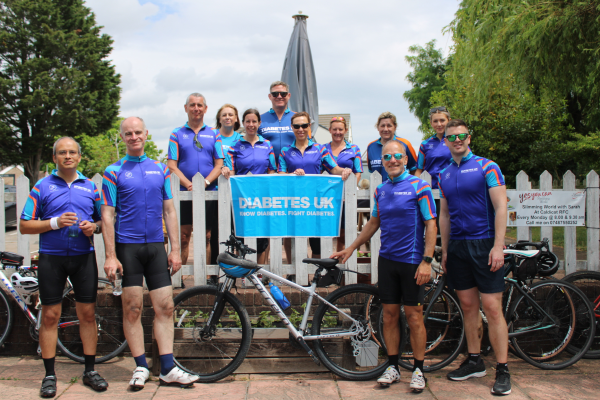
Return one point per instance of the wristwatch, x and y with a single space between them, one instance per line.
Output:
428 260
207 182
97 230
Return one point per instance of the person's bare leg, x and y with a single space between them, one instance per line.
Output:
497 329
469 303
208 252
287 247
262 257
162 303
88 328
341 240
186 235
391 329
49 329
418 336
132 299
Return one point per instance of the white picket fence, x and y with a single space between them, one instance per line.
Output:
200 270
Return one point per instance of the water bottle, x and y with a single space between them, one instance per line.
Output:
284 303
118 290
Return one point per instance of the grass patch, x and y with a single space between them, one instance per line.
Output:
558 236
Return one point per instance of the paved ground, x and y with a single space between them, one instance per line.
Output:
20 378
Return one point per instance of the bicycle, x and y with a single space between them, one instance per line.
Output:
218 325
111 340
589 283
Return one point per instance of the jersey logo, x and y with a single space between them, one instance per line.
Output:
242 147
375 162
310 152
465 171
52 188
431 146
206 136
185 136
402 193
382 193
153 173
128 175
82 188
447 175
261 147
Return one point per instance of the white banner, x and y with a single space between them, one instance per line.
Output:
551 208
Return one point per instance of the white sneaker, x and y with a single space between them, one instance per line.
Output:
418 381
139 378
179 377
390 376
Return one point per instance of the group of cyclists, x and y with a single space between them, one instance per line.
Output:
136 196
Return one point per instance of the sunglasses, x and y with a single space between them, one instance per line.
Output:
461 136
388 157
298 126
197 144
437 109
337 119
277 94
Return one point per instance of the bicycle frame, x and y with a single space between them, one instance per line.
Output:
10 289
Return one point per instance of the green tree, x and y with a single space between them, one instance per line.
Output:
54 78
429 67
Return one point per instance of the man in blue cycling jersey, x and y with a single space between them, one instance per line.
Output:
64 209
403 209
193 148
472 225
137 190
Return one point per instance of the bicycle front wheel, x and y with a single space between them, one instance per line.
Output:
589 283
214 352
109 320
542 324
358 356
6 316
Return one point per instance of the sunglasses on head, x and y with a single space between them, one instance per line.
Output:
337 119
437 109
298 126
461 136
277 94
388 157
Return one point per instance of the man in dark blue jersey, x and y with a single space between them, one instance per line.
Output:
473 225
64 209
403 209
138 190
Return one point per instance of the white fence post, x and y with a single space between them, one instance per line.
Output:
224 222
593 220
299 252
350 226
98 239
570 231
375 180
176 279
199 221
22 194
3 220
546 185
523 232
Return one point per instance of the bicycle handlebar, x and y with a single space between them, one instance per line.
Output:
234 244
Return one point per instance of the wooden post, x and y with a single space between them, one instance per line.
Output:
570 231
375 180
98 239
176 279
198 201
224 222
299 252
276 261
593 220
2 218
22 194
350 226
523 232
326 243
546 185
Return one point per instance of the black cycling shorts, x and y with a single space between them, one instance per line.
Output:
53 272
397 283
211 209
144 260
467 266
315 245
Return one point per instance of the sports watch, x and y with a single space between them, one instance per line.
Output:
427 259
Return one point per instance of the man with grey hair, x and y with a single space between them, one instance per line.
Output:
64 209
193 148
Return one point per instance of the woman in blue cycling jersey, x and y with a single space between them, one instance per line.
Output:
228 123
434 155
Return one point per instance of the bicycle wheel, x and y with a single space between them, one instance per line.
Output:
445 333
589 283
540 338
356 357
218 352
6 316
111 339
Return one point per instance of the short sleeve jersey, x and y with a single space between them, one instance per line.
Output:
403 204
137 187
227 142
465 189
278 132
374 156
51 197
349 157
195 153
434 156
315 160
243 157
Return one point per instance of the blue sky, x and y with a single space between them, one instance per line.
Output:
231 52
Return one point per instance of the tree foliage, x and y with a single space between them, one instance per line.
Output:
54 78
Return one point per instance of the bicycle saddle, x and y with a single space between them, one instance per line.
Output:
327 263
226 258
522 253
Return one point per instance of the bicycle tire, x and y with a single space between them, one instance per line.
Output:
111 338
362 302
589 283
445 333
6 316
219 353
545 348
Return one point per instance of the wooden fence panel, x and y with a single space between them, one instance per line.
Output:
570 231
99 239
299 252
375 180
523 232
22 194
593 220
198 195
350 226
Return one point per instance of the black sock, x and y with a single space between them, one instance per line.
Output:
474 357
393 360
89 362
502 367
49 365
418 364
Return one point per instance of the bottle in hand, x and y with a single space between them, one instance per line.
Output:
118 289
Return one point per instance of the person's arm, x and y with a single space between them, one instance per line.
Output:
367 232
418 172
171 223
282 169
172 160
37 226
331 166
421 161
185 182
111 263
216 171
344 172
498 197
423 274
444 229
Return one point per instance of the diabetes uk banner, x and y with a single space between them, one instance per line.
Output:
286 205
546 208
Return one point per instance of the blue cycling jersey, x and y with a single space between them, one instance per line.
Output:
465 189
137 187
374 156
243 157
278 132
51 197
193 158
403 204
227 142
349 157
434 156
316 159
